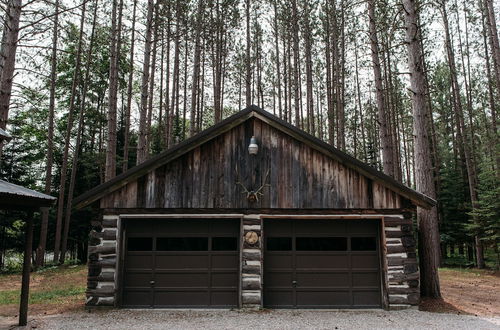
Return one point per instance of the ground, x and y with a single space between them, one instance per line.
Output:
471 299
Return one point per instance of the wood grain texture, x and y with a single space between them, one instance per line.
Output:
300 177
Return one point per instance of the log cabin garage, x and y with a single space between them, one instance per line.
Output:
253 213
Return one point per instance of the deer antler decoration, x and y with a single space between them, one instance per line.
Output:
253 195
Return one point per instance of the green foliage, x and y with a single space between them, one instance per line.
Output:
486 214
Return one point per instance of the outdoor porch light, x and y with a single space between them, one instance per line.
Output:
253 148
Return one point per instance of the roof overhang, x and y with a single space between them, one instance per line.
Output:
13 196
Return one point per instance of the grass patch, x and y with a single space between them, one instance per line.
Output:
40 297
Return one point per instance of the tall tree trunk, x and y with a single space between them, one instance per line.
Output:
126 134
40 251
79 133
142 151
329 82
494 43
8 58
309 67
248 60
464 141
296 63
427 219
383 117
277 55
195 85
69 128
114 52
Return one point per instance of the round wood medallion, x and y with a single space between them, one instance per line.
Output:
251 237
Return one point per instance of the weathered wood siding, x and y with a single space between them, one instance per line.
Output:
299 177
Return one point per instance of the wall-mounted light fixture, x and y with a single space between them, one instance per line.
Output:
253 148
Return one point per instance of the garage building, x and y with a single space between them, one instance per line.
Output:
253 212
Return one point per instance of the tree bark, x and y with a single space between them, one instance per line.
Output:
126 134
195 85
40 252
427 219
79 133
248 60
69 128
8 58
114 52
142 151
384 131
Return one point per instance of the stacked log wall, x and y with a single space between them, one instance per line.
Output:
102 262
402 275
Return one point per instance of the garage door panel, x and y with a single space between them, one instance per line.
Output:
182 261
365 279
225 228
278 279
325 264
278 261
140 261
181 298
225 261
137 298
366 298
229 279
322 261
278 298
363 227
192 279
141 279
325 280
313 227
365 261
323 298
224 298
181 226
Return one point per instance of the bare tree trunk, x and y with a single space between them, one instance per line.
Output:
126 134
8 58
40 251
196 65
329 87
296 63
427 219
384 131
142 151
309 68
494 43
277 54
471 173
248 63
152 83
114 52
79 133
69 128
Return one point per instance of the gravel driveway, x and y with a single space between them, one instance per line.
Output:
256 320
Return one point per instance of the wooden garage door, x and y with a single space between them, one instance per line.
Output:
321 264
181 263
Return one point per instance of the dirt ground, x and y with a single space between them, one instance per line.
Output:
62 278
475 292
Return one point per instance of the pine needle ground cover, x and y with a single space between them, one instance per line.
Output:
52 290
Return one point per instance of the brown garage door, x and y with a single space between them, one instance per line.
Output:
321 264
181 263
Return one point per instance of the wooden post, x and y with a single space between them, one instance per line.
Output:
23 307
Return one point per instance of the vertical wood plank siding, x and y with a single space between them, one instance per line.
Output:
299 177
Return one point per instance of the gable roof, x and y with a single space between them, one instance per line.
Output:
231 122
